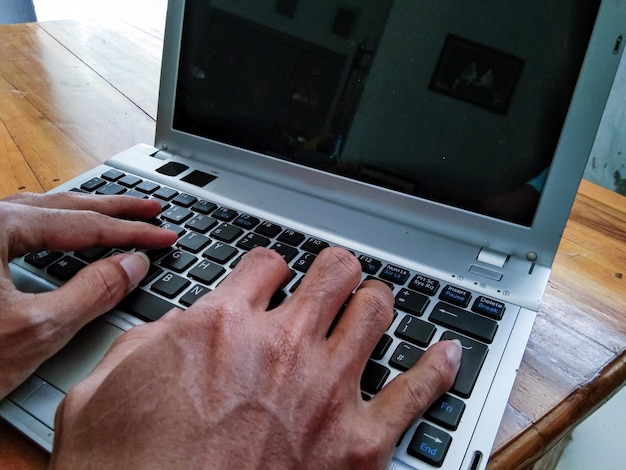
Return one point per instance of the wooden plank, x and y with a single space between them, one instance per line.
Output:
112 50
576 356
63 117
16 174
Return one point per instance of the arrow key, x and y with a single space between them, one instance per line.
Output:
430 444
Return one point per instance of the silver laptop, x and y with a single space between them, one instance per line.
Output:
441 142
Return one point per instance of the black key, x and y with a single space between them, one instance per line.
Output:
185 200
277 299
156 254
178 261
411 302
206 272
129 181
92 254
204 207
295 285
147 187
164 204
176 214
165 193
201 223
464 322
193 294
65 268
145 305
93 184
225 214
226 233
369 278
489 307
304 262
394 274
194 242
425 285
287 252
112 175
41 259
315 245
446 411
455 295
246 221
170 285
369 264
220 252
373 377
430 444
198 178
416 331
174 228
381 347
111 189
405 356
291 237
474 354
268 229
252 240
135 194
153 272
172 169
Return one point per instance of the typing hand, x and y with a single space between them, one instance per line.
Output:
35 326
227 384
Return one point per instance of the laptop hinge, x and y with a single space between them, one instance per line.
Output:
162 155
492 257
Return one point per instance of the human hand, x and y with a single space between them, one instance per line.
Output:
227 384
35 326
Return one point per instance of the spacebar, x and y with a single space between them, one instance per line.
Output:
146 306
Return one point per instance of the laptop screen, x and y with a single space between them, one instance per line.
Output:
457 103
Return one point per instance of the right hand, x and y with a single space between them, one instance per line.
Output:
228 384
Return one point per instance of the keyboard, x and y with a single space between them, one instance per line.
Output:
213 238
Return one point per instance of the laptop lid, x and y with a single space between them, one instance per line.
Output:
468 121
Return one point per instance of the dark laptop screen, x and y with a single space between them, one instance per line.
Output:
456 102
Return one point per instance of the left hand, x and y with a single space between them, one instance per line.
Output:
35 326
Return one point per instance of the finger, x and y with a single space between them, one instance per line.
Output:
255 279
33 228
330 280
91 292
116 206
368 314
410 394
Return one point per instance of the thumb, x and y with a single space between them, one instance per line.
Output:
95 289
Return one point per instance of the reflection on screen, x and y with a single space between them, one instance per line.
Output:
456 103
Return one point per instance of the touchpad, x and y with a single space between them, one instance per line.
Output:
74 362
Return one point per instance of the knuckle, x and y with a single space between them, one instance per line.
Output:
419 396
103 279
341 258
264 256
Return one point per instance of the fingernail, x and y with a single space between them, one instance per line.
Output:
136 266
454 351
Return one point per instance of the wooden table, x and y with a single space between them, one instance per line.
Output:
74 93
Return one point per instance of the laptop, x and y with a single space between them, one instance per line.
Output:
443 143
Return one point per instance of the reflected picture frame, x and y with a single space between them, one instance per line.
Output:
477 74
